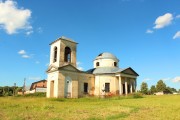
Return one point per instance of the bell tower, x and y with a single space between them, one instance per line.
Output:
63 52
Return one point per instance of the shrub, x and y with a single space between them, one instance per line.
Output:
37 94
137 95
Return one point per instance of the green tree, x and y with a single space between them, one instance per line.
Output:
153 89
160 86
1 91
173 90
168 90
144 88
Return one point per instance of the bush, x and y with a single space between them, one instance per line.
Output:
37 94
137 95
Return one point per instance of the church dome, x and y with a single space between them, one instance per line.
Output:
106 60
106 55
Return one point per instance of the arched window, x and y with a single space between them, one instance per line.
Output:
115 64
97 64
55 54
67 54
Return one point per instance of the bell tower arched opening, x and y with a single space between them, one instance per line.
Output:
67 55
55 54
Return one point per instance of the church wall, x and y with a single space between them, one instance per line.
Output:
62 76
72 46
105 63
52 77
100 81
86 78
61 86
56 44
117 85
78 80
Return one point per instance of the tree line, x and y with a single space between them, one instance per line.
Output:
9 91
159 87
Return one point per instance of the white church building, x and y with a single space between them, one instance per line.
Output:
64 80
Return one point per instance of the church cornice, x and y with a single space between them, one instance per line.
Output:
63 38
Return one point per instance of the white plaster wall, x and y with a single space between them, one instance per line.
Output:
100 81
105 63
52 77
56 44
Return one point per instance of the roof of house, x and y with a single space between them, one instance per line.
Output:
36 82
39 81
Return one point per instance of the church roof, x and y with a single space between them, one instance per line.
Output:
64 38
112 70
106 55
102 70
105 70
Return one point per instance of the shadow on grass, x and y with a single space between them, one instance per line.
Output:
95 98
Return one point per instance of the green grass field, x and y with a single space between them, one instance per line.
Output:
38 108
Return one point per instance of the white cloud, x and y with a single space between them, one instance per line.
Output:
166 79
80 68
13 18
146 79
177 35
78 65
25 56
22 52
149 31
176 79
34 78
29 32
163 21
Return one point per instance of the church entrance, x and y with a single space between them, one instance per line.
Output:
68 87
52 89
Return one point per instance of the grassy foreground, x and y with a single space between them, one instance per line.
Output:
37 108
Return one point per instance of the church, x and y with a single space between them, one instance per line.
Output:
64 80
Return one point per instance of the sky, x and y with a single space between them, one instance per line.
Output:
142 34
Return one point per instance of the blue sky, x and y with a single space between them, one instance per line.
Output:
143 34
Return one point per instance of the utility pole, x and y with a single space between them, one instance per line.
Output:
14 91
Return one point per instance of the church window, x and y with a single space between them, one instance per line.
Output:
85 87
107 87
115 64
97 64
55 54
67 54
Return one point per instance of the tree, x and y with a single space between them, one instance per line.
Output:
1 91
144 88
153 89
160 86
173 89
168 90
